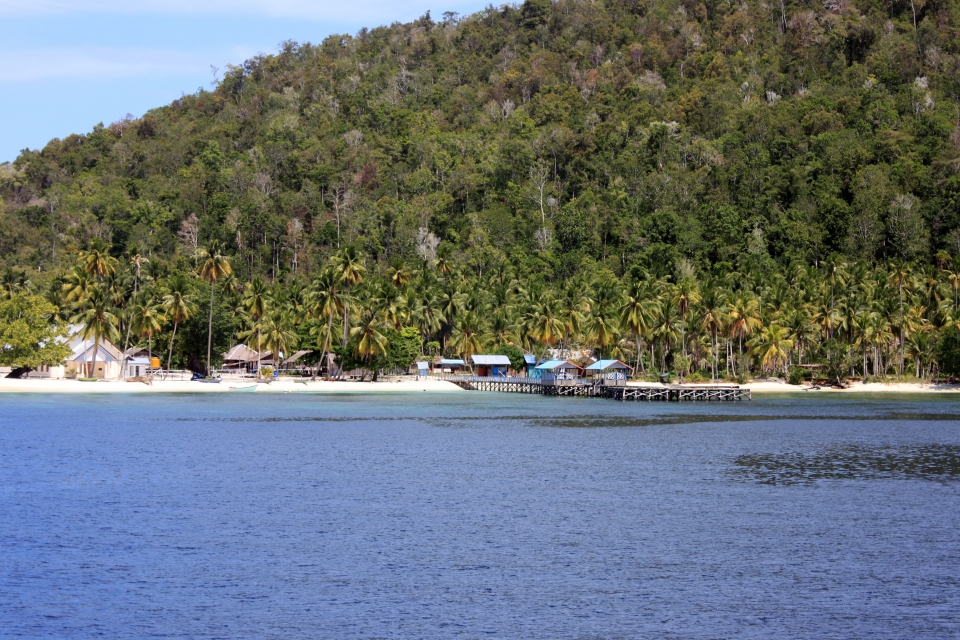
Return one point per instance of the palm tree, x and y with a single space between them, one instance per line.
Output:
465 339
399 274
12 282
349 271
179 306
770 346
954 278
147 320
97 262
743 315
256 303
544 322
898 278
664 329
685 294
371 342
637 314
278 334
215 266
922 349
98 320
325 305
711 320
77 288
602 328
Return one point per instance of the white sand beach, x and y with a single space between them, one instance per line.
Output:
411 385
283 385
772 386
855 387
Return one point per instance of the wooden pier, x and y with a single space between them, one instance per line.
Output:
597 389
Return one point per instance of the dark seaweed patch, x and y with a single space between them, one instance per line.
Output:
928 462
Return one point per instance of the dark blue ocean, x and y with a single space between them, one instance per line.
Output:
478 516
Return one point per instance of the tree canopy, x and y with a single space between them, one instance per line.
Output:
563 135
30 336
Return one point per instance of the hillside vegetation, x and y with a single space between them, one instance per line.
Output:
789 157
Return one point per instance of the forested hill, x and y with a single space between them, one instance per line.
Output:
557 138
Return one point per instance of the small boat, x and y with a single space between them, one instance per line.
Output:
87 379
199 377
251 387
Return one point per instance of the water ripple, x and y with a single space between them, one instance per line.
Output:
928 462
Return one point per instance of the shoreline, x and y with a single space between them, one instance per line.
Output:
855 387
41 385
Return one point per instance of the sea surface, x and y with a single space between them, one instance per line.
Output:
478 516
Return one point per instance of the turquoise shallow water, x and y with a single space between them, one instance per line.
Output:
478 515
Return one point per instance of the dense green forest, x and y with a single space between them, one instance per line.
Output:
719 187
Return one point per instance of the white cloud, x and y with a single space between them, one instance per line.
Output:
377 11
95 62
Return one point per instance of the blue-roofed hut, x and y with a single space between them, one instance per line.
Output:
558 372
451 365
490 365
529 364
610 372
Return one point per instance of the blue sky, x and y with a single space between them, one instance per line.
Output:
69 64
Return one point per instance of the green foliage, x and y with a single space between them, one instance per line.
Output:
949 352
517 363
562 134
28 337
837 358
403 349
796 376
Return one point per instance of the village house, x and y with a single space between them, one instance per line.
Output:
558 372
491 365
610 373
80 363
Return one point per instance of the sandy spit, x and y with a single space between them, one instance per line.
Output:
769 386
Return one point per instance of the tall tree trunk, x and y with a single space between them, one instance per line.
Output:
683 336
96 347
326 343
172 337
640 358
210 328
323 353
126 340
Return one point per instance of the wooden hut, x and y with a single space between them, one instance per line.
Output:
610 372
491 365
559 372
243 358
451 365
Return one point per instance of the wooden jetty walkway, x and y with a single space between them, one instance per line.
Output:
597 389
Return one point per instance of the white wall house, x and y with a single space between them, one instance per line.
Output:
108 361
46 371
80 361
136 367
